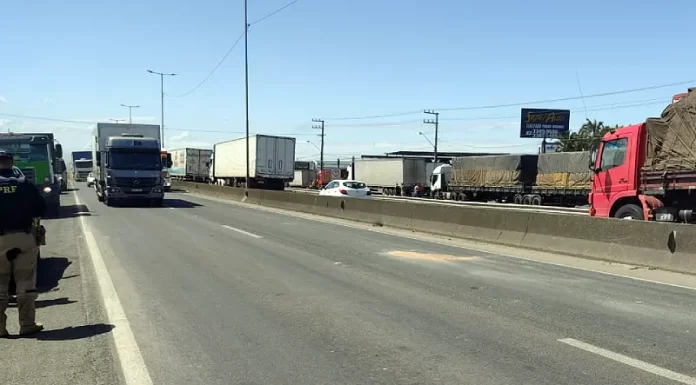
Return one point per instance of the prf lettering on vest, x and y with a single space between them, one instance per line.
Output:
8 189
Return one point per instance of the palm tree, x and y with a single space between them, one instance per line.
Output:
581 140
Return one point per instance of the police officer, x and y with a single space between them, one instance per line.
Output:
20 203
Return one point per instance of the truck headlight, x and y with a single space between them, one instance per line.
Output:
47 190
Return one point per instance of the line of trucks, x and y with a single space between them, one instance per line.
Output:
643 171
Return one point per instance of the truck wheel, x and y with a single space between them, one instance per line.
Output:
517 199
527 200
629 211
536 200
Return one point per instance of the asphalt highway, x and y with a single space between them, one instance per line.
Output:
218 293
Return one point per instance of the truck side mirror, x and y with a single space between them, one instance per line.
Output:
169 161
594 147
59 151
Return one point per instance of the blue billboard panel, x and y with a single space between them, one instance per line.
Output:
544 123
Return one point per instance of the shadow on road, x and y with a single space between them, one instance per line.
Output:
42 303
71 333
73 211
50 272
180 204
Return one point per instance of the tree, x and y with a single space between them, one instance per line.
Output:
589 132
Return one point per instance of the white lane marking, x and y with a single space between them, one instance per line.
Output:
242 231
638 364
132 364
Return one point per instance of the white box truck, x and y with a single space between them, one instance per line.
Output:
128 163
190 164
385 174
271 162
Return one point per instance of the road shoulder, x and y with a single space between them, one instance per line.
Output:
75 347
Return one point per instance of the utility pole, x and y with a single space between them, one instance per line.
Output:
246 87
162 75
320 126
436 122
130 112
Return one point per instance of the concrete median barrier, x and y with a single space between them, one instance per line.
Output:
665 246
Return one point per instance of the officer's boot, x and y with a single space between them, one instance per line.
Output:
26 305
3 317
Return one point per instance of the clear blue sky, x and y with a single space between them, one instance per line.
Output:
79 60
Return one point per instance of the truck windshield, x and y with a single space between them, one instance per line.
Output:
83 164
26 152
135 160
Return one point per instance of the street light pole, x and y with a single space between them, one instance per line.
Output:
162 75
246 90
130 112
435 122
321 150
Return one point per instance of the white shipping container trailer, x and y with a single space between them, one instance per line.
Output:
303 178
384 175
190 164
271 162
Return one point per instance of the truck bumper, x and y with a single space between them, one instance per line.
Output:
134 193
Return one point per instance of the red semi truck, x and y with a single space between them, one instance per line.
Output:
647 171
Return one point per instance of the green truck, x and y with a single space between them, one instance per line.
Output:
39 157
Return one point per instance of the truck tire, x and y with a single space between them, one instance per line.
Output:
630 211
517 199
536 200
527 200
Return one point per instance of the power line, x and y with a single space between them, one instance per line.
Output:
274 12
172 129
229 51
493 106
213 71
598 107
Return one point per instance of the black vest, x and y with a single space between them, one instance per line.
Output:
15 205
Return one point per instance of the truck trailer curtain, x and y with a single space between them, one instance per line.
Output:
671 138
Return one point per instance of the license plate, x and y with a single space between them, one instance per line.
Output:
137 190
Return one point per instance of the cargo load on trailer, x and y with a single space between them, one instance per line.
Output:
192 164
271 162
564 170
530 179
494 171
392 176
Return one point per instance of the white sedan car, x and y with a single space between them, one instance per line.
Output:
346 188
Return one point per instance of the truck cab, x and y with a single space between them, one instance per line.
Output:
38 156
166 164
130 168
616 161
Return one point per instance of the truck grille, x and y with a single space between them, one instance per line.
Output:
29 173
136 182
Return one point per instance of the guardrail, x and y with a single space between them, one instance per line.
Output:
506 206
661 245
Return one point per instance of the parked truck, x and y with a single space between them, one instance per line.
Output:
647 171
191 164
81 165
271 162
128 164
392 176
559 179
39 157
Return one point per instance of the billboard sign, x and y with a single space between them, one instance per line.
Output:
544 123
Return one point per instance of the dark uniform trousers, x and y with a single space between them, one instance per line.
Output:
24 269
